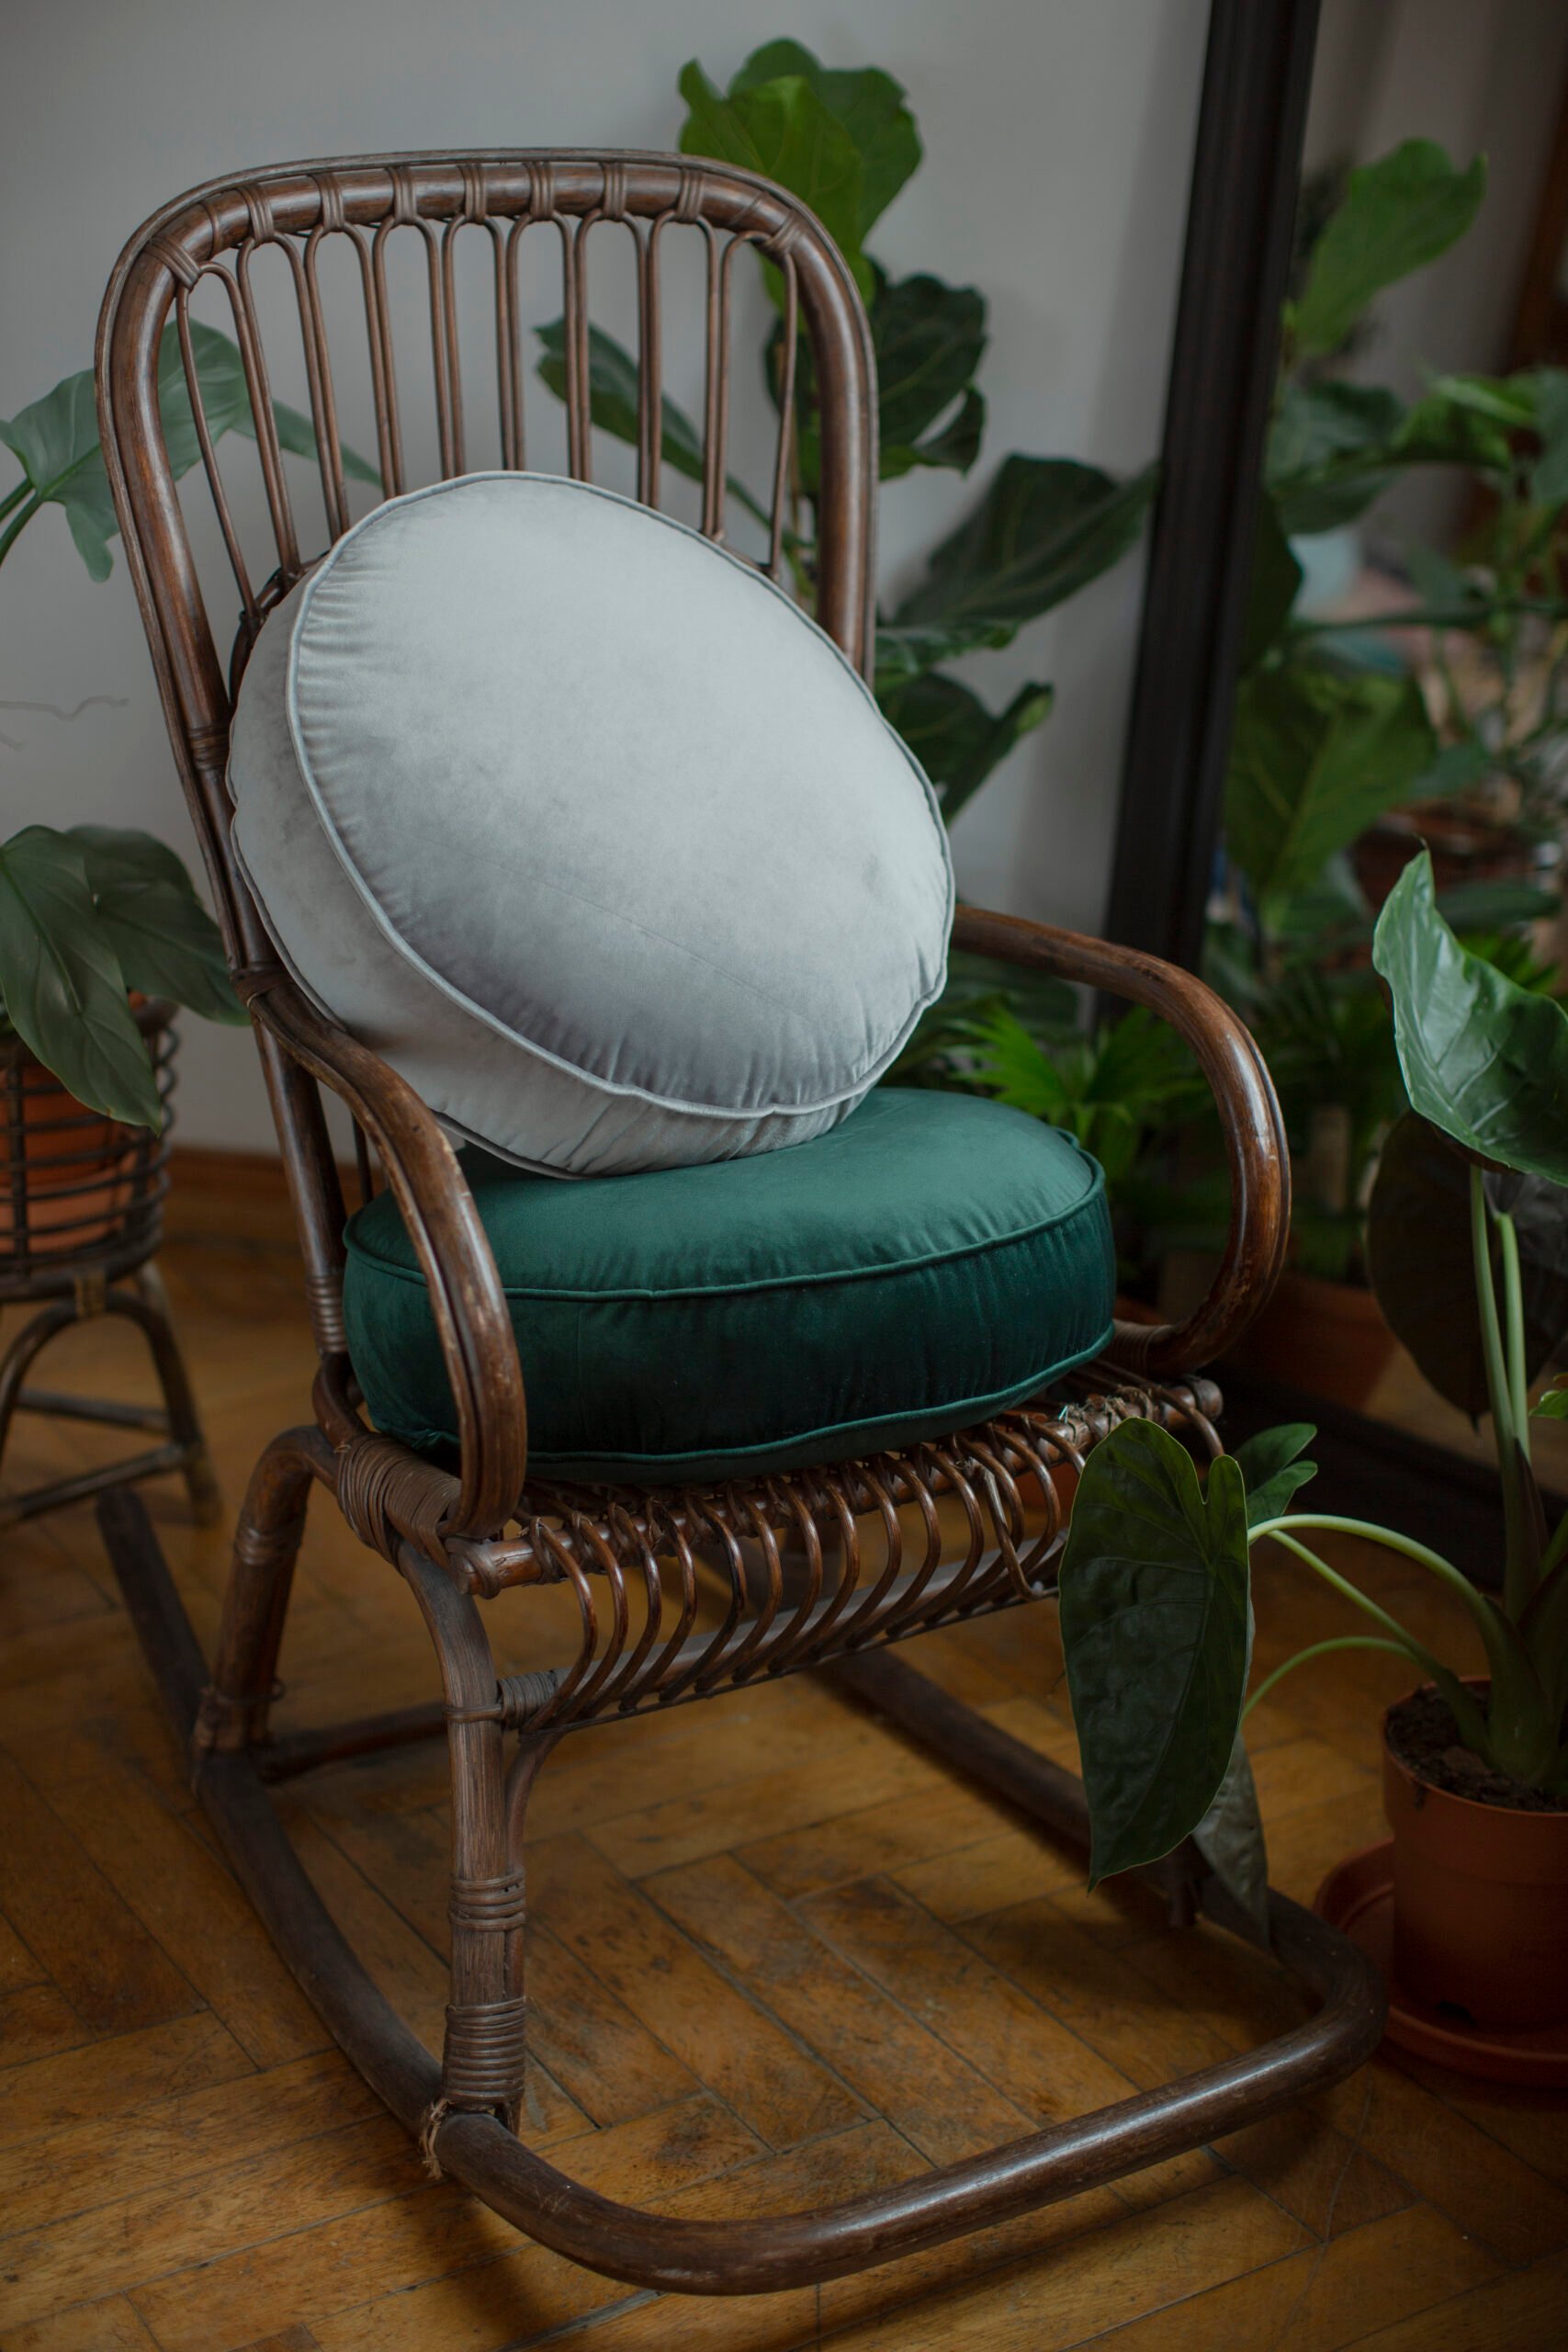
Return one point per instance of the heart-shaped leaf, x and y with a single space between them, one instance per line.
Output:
957 740
64 989
1270 1466
1045 527
1156 1625
1485 1060
1397 215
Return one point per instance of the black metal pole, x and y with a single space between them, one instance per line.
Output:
1245 169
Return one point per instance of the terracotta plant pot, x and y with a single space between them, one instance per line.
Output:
1328 1338
70 1178
1467 845
1480 1903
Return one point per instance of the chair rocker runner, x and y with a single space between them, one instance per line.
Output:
816 1566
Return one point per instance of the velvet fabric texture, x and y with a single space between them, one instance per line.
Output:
933 1259
584 826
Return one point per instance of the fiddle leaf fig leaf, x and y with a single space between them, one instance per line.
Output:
1156 1625
1485 1060
868 105
929 339
1045 527
1270 1466
1397 215
64 989
782 130
1314 759
904 653
1421 1261
957 740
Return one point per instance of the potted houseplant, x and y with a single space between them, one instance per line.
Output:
1155 1586
101 931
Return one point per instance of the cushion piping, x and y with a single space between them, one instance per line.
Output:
961 1414
774 1282
730 1111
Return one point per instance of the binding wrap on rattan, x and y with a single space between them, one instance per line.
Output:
482 2067
385 1493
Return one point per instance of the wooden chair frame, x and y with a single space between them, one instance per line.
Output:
815 1568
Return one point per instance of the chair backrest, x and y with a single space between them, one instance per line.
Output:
317 214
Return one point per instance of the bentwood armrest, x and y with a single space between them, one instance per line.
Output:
1250 1113
477 1343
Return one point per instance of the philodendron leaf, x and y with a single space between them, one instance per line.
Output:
62 983
1485 1060
1421 1261
867 104
1045 527
1397 215
57 440
784 129
957 740
57 437
167 942
1314 759
1156 1627
1230 1838
1270 1464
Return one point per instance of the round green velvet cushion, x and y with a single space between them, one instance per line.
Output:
930 1261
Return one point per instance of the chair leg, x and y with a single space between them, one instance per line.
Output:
235 1704
484 2058
456 2110
184 1421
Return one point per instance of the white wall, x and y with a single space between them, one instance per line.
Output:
1058 138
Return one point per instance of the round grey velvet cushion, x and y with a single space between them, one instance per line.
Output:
587 828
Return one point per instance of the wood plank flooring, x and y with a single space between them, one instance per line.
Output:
778 1956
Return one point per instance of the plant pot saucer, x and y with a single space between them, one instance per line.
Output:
1358 1898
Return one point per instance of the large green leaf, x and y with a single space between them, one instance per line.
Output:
62 983
1271 1465
784 129
1045 527
166 942
1271 587
957 740
1314 759
1330 452
929 339
57 437
867 104
1157 1631
1485 1060
1420 1259
1397 215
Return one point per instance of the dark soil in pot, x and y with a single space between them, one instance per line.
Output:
1423 1735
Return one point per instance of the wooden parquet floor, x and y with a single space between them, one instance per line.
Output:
777 1955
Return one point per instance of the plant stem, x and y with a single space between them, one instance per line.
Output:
14 497
1519 1550
1317 1649
19 524
1467 1714
1391 1541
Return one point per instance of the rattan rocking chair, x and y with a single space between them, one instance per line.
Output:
817 1568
